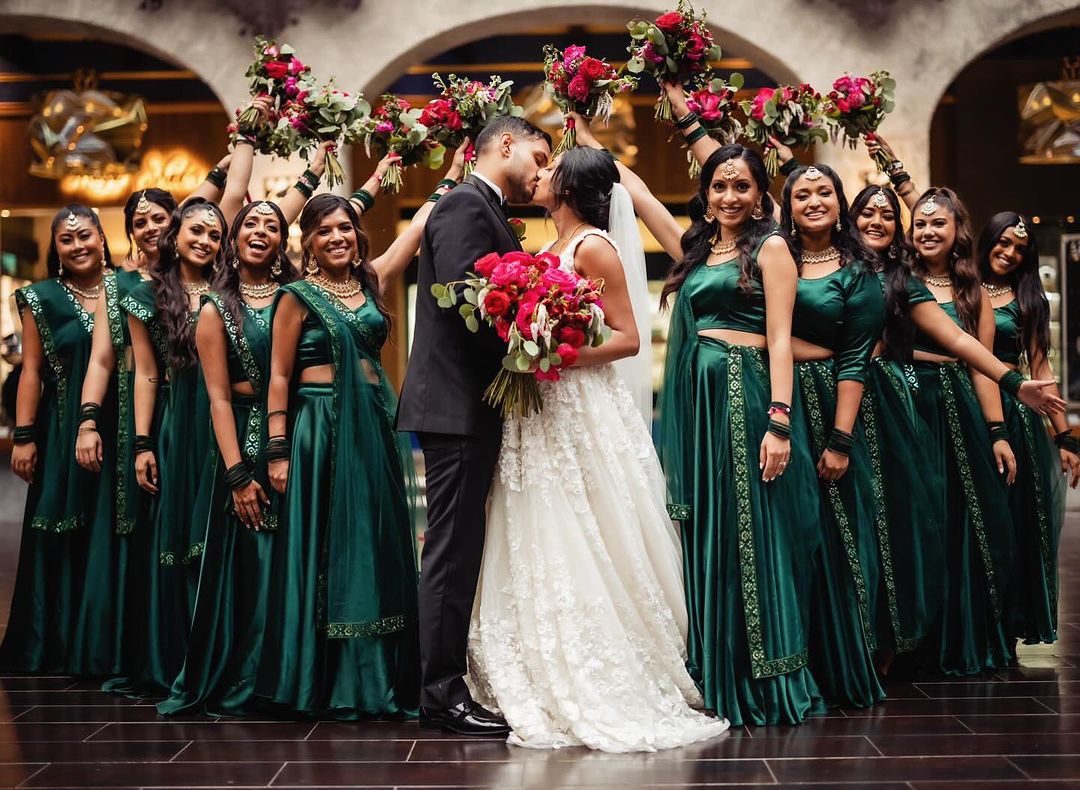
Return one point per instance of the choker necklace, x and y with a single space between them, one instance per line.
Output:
84 293
342 290
258 290
938 280
813 258
195 289
725 247
996 290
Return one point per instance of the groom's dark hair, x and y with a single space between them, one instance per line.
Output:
517 127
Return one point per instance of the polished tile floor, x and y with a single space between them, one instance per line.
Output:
1018 728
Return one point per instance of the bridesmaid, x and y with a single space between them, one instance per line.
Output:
59 621
162 315
837 320
341 638
1008 261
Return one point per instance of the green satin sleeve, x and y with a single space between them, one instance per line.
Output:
863 320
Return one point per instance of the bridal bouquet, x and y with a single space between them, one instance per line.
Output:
857 106
544 313
463 109
278 75
582 84
395 127
714 104
329 115
793 115
675 47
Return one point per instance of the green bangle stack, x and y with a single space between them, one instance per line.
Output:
364 198
781 429
687 121
89 411
142 444
23 434
998 431
789 167
217 177
840 442
696 135
1066 441
238 475
277 449
1011 382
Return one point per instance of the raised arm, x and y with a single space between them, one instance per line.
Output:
779 278
703 145
901 181
212 188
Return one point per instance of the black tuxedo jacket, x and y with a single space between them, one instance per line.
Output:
449 366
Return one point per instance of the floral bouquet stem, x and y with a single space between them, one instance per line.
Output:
514 394
664 112
772 160
391 181
569 138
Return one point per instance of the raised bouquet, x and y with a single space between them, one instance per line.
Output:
280 76
583 84
543 312
329 115
464 108
394 126
715 104
675 47
856 106
793 115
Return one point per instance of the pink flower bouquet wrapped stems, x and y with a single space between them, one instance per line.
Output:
583 84
330 114
276 73
463 108
715 106
794 115
395 127
856 106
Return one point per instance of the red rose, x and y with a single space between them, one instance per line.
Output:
277 70
592 69
568 353
453 121
486 265
578 89
551 375
496 303
670 22
572 336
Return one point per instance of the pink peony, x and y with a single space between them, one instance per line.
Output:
570 54
578 89
559 278
568 353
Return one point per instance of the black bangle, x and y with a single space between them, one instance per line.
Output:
312 180
238 475
277 449
687 121
696 135
23 434
276 412
449 183
898 178
777 428
142 444
789 167
1066 441
998 431
304 188
217 177
840 442
1011 382
364 198
89 411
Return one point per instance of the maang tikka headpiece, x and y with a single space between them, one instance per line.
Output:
143 206
264 208
812 174
72 221
211 218
728 169
879 200
1020 229
929 207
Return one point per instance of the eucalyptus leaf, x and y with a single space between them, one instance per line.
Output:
445 303
545 365
654 34
635 65
472 324
509 362
439 291
531 348
466 310
470 295
523 363
736 80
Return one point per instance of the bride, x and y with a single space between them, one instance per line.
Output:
579 621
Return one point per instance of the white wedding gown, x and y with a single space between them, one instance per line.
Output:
579 624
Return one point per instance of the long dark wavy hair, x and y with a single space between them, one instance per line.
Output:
226 279
966 283
583 181
848 240
52 260
319 207
1025 281
153 195
698 239
170 298
896 264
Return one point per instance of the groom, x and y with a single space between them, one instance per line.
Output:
442 401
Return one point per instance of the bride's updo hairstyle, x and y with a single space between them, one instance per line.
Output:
583 181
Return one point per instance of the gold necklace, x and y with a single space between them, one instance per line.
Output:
565 240
813 258
342 290
996 290
258 290
91 293
725 247
195 289
938 280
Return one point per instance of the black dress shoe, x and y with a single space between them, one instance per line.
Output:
465 718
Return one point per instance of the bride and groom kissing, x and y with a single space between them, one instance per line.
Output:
551 601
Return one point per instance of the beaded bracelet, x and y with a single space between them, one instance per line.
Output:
696 135
998 431
1066 441
238 475
277 449
789 167
364 198
89 411
778 407
777 428
1011 382
142 444
217 177
687 121
23 434
840 442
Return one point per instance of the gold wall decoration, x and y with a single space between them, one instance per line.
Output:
179 171
1050 119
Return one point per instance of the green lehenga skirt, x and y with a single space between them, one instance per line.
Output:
747 548
1036 501
910 533
225 641
845 585
304 669
968 637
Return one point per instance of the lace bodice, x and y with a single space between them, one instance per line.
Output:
566 257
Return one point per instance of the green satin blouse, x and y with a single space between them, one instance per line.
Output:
1007 333
314 346
717 301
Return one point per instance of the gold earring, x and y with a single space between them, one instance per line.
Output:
276 268
839 227
709 217
311 266
758 212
